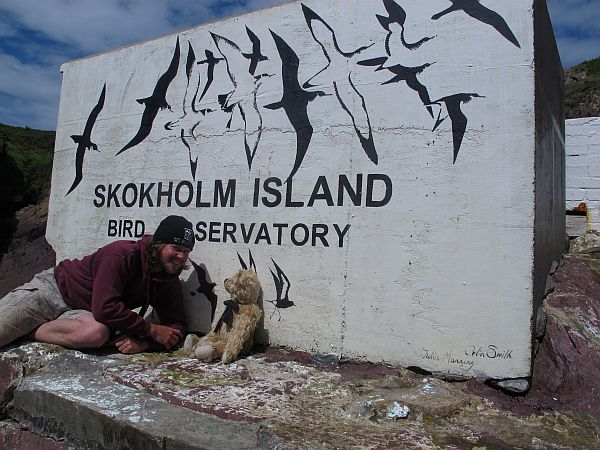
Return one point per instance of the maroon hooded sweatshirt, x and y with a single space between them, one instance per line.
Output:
116 279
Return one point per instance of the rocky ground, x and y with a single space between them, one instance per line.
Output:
280 398
28 253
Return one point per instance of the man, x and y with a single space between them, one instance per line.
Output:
83 303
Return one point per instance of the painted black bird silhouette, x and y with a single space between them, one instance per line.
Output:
156 102
457 117
406 74
339 62
226 107
397 15
294 101
211 62
189 65
476 10
84 141
243 96
256 56
250 264
193 162
190 62
180 122
281 282
205 288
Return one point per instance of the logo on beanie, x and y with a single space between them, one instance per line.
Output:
187 240
188 237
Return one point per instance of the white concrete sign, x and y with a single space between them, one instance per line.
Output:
373 160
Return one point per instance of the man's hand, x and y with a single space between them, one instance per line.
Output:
130 345
164 335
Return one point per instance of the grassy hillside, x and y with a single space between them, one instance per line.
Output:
25 164
25 170
582 90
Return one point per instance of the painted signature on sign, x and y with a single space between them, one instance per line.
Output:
489 352
449 358
471 354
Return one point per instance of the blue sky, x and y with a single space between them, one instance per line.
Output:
37 36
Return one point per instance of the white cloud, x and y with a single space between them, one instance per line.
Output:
94 26
31 91
30 81
44 34
89 24
6 29
581 16
573 50
577 29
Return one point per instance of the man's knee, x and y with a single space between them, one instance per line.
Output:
92 333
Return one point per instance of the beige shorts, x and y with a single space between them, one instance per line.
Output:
29 306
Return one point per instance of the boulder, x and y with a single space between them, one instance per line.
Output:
29 252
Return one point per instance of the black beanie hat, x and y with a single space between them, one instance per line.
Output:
175 230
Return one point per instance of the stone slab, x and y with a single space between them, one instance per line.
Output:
71 400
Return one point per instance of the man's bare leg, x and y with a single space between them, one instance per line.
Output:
80 332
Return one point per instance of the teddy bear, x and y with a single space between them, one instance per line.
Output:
234 331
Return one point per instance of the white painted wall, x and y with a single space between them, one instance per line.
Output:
438 276
582 148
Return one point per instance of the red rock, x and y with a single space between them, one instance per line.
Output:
11 373
567 366
29 252
16 437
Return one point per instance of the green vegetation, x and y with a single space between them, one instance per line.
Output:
587 83
25 165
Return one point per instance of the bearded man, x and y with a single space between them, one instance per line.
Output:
89 302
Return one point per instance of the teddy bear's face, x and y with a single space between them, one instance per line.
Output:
243 286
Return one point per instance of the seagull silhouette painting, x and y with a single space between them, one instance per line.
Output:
338 62
189 65
457 117
406 74
476 10
250 265
282 289
243 96
256 56
84 141
205 288
190 62
211 61
397 15
294 101
156 102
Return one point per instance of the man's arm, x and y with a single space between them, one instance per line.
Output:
111 274
109 307
168 304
